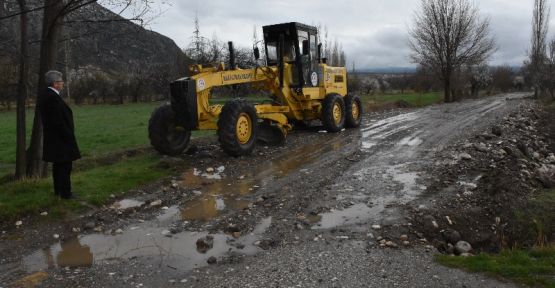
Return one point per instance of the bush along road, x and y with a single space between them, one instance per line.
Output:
370 207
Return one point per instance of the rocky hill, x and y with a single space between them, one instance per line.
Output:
96 40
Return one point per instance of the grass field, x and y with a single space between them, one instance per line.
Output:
535 267
100 130
414 99
93 186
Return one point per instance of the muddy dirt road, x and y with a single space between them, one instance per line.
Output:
310 214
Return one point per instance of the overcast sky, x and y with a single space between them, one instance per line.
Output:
373 32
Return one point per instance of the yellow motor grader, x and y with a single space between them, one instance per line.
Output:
302 88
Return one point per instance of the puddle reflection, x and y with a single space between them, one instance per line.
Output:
74 254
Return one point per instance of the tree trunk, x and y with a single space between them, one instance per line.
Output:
22 89
447 90
51 30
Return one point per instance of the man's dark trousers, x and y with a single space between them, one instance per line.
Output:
61 172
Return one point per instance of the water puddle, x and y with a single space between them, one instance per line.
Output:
374 203
410 188
356 214
358 196
410 141
147 242
127 204
215 174
313 219
216 195
384 128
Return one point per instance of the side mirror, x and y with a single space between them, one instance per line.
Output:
306 51
256 53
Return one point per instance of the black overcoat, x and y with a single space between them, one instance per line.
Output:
59 143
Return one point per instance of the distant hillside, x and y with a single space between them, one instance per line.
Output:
409 70
112 47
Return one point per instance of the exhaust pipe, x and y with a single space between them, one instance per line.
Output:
281 60
232 64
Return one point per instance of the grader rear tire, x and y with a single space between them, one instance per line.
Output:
238 128
164 136
353 111
333 113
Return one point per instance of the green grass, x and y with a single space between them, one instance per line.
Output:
106 128
100 130
535 267
414 99
93 186
536 220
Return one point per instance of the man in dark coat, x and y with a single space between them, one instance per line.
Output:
59 146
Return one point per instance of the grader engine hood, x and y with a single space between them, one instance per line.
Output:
184 103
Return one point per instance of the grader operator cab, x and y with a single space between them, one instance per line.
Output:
301 84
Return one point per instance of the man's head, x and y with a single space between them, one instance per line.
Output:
54 79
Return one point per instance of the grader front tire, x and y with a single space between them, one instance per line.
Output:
238 128
333 113
163 134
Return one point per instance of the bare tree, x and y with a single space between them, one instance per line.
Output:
342 57
549 78
448 34
22 93
540 25
51 29
503 79
199 47
54 13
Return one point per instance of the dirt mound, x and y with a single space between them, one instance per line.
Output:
486 186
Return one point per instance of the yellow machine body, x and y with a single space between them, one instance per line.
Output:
297 104
301 85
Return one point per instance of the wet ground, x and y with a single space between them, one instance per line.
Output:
311 213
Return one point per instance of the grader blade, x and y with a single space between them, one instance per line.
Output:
271 134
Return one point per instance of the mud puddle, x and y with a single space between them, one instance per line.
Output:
215 195
382 129
126 204
355 214
358 213
150 242
367 205
407 179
